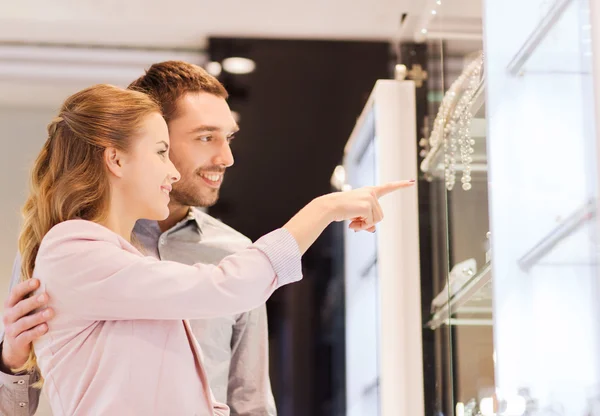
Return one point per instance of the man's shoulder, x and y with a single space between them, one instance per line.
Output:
207 221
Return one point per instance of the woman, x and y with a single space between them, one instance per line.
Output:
120 344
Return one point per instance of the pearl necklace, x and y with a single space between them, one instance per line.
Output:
452 125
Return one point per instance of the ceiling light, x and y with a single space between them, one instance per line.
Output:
236 65
214 68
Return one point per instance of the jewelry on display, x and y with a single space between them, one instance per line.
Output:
452 125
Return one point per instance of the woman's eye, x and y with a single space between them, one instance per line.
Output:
163 153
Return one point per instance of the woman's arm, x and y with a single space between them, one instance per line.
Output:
86 272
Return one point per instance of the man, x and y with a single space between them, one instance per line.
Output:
235 348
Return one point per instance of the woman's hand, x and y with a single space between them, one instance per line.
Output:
361 206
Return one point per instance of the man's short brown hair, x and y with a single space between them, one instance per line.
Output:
166 82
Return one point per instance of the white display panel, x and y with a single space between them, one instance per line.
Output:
543 191
362 294
382 277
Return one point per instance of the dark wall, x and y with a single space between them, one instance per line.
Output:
297 111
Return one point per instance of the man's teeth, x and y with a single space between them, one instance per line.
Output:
165 191
212 177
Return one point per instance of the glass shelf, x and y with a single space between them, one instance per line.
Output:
559 236
470 305
549 48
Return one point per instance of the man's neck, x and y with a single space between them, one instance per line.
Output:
176 214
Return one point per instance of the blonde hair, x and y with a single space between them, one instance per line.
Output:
69 178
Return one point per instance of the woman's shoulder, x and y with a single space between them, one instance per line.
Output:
78 249
77 232
77 229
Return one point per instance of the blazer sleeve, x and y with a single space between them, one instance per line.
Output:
89 271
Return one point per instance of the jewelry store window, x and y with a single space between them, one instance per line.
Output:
510 153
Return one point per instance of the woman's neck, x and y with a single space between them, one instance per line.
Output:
119 227
118 220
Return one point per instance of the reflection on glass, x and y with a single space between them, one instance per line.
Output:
456 163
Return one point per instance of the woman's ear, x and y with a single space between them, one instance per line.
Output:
114 161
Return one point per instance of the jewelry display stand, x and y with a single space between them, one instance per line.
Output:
384 373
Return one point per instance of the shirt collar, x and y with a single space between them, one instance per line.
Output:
194 217
197 216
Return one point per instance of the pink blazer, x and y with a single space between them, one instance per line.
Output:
120 343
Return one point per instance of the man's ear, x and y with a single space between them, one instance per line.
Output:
114 161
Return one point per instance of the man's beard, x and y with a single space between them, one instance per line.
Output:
186 196
184 193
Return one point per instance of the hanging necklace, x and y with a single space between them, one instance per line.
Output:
452 125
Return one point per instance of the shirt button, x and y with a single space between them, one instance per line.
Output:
162 240
21 382
22 404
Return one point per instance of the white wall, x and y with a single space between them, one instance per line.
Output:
22 133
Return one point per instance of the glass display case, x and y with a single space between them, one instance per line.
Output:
509 160
543 170
511 155
456 164
454 160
